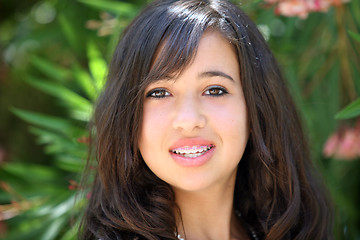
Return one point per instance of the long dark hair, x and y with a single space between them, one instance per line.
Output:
276 190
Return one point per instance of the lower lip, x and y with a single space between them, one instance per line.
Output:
193 162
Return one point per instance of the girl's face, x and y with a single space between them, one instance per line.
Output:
195 126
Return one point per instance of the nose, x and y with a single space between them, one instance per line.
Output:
188 115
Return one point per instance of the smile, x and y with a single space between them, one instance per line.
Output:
193 151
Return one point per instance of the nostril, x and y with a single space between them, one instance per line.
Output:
188 114
189 120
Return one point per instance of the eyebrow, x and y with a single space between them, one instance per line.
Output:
215 74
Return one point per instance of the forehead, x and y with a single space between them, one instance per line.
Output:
173 56
214 52
215 56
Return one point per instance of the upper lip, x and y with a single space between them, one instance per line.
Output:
189 142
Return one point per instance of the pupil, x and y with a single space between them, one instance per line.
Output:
159 93
214 91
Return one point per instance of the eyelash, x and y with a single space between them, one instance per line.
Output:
153 93
222 91
165 93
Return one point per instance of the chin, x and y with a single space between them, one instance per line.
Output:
193 184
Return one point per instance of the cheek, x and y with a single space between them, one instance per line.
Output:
152 130
231 124
152 118
152 139
230 118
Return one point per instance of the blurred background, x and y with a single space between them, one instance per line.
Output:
53 61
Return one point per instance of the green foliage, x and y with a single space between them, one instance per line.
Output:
97 65
350 111
51 70
354 35
45 200
122 9
46 210
353 109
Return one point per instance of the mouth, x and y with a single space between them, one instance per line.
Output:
192 151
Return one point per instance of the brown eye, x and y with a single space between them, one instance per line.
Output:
215 91
158 93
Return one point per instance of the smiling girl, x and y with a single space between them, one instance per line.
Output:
197 136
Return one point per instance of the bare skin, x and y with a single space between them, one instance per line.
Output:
209 215
203 108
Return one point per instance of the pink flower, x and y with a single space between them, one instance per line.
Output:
301 8
293 8
347 147
331 144
318 5
344 144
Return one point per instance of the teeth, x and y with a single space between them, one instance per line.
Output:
192 155
193 151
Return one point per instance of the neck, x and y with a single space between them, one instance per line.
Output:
208 214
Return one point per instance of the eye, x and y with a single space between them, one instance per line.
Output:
216 91
158 93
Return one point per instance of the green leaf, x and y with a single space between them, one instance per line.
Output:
80 115
49 69
49 137
356 36
47 221
71 234
70 163
85 81
38 173
59 144
352 110
73 99
50 122
53 229
59 216
97 65
121 8
69 31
